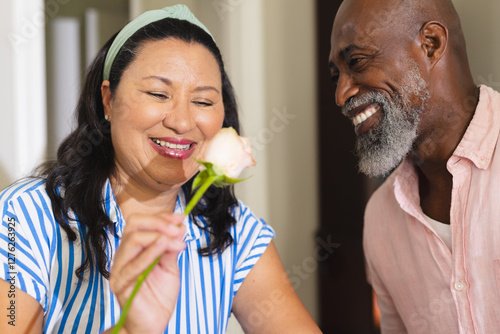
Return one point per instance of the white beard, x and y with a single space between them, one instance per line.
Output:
382 149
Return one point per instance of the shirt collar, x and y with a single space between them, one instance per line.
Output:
193 231
112 210
481 136
477 144
114 213
405 184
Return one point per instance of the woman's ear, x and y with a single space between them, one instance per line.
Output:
434 41
107 98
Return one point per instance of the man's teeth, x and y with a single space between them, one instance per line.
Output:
179 147
360 118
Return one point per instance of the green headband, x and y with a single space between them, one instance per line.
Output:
180 12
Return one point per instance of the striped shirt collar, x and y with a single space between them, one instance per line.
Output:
193 232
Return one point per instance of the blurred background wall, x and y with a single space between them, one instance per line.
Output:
277 60
23 125
482 30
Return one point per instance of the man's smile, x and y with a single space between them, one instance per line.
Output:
364 115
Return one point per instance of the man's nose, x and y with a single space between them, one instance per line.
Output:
345 90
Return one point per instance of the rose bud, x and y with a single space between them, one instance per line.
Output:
229 153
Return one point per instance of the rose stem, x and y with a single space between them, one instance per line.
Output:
192 203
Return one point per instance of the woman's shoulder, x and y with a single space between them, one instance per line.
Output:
242 211
251 237
247 222
22 188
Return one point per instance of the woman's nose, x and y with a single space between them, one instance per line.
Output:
180 118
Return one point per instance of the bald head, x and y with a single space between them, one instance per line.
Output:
427 32
401 19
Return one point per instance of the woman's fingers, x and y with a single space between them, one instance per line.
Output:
169 224
145 239
129 266
141 231
141 249
133 244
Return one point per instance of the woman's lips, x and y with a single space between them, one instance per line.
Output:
173 148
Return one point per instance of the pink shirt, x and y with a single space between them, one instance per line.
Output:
421 286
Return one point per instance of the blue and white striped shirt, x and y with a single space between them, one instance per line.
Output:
37 258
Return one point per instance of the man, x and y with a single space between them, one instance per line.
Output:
432 230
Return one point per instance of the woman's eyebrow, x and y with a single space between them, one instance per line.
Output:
204 88
162 79
169 83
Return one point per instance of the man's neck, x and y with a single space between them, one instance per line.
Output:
435 194
434 149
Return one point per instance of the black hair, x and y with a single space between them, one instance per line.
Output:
85 159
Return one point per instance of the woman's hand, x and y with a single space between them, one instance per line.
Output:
144 239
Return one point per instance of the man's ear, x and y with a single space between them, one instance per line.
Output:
434 40
107 97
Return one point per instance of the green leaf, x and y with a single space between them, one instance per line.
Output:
226 181
208 165
213 171
199 179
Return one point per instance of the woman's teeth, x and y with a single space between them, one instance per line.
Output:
178 147
360 118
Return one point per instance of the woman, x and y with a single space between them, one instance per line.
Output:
154 96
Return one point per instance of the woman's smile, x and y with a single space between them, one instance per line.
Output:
173 148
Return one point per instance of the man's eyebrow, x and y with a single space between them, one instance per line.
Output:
342 54
348 49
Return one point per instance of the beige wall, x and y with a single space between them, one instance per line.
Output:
290 68
482 30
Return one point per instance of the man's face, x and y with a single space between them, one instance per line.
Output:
379 85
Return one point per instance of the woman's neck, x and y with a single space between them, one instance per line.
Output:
132 198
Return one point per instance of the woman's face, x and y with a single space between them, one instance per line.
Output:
166 107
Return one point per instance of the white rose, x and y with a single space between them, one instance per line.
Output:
229 153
